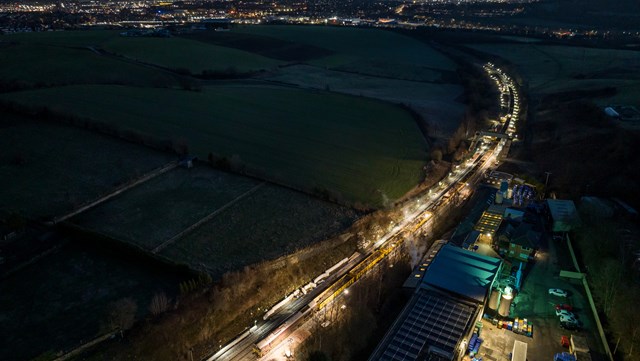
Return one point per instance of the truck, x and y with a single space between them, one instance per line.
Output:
578 350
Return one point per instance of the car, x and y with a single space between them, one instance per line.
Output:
569 319
570 326
564 306
565 313
557 292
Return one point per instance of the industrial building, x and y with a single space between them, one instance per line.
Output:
564 215
490 220
448 299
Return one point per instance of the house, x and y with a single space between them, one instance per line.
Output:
518 241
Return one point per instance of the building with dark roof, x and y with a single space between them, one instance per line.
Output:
446 303
463 273
518 241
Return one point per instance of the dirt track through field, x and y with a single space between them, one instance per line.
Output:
207 218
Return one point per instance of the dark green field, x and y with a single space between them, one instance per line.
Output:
180 53
69 60
164 206
63 300
269 223
552 69
363 150
352 45
47 169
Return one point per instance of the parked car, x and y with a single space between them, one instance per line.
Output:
557 292
564 356
569 319
570 326
564 313
564 306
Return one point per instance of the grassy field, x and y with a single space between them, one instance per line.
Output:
47 169
63 299
365 150
435 102
355 43
365 51
270 47
188 54
69 61
72 59
164 206
271 222
552 68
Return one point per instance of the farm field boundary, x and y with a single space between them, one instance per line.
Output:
207 218
116 192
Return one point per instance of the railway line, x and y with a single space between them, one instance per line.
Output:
261 339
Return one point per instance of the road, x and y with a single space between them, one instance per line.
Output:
420 213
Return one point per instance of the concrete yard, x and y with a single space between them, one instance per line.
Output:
536 305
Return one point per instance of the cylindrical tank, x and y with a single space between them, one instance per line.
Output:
505 305
493 299
504 185
505 302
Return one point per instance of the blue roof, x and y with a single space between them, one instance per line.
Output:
462 272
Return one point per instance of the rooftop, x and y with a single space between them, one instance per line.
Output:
522 234
463 273
489 222
564 213
454 285
429 328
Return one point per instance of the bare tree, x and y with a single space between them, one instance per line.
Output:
122 314
159 304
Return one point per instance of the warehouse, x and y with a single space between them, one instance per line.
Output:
445 306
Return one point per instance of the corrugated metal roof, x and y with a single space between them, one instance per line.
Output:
462 272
